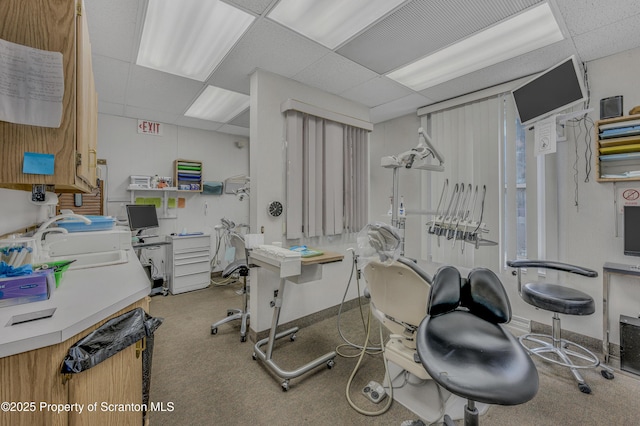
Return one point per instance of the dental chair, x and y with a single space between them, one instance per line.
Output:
399 290
464 346
559 299
239 266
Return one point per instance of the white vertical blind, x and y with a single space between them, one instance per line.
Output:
327 181
469 137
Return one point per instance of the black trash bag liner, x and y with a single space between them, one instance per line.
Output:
107 340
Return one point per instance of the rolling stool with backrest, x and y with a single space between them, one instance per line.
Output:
464 346
559 299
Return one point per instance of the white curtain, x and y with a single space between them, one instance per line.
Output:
327 184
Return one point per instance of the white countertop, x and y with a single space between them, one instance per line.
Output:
84 297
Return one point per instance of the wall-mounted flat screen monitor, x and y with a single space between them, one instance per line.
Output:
555 90
632 230
142 216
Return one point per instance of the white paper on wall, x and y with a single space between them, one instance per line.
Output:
545 136
31 85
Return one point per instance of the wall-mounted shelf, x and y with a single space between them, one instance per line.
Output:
165 199
618 149
188 173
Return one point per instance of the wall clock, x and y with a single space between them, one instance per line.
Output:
274 208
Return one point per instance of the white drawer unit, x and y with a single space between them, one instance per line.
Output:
190 263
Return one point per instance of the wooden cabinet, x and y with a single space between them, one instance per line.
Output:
35 376
188 173
189 263
618 149
57 26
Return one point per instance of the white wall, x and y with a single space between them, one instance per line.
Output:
129 153
268 91
587 232
17 211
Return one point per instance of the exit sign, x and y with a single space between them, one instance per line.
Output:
150 127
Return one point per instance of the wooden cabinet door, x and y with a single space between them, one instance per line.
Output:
115 385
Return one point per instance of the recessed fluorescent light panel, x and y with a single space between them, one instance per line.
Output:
525 32
330 22
189 38
216 104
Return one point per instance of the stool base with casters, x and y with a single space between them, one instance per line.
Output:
552 348
239 266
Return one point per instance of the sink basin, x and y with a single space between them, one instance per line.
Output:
94 260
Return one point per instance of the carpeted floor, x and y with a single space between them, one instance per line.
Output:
213 380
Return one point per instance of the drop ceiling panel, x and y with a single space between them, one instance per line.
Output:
399 107
267 46
424 26
608 40
523 65
255 6
161 91
242 119
112 27
582 18
110 108
111 77
234 130
334 74
150 114
376 91
197 123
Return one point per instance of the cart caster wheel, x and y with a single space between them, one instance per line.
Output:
584 388
330 364
293 337
165 293
214 330
243 338
607 374
285 386
254 357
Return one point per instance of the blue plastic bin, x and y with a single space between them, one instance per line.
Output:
98 223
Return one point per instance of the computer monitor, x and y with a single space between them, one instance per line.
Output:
632 230
555 90
142 216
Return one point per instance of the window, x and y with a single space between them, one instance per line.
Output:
521 192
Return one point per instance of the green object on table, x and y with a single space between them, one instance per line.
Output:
59 266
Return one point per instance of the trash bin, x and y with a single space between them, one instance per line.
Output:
112 337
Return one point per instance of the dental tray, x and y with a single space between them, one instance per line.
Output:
98 223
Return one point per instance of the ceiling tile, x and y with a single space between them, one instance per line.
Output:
424 26
608 40
399 107
267 46
110 108
111 77
376 91
161 91
242 119
150 114
197 123
334 74
234 130
112 27
582 17
255 6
